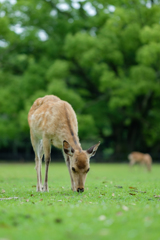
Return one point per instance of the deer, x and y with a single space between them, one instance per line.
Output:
53 121
137 157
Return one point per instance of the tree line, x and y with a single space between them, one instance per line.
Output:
103 57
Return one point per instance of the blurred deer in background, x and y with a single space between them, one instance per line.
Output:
137 157
53 121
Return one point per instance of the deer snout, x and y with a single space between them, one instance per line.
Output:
80 189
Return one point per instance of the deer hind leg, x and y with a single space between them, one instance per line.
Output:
37 147
40 155
47 156
39 177
148 165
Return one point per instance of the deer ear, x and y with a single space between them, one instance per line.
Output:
67 148
92 150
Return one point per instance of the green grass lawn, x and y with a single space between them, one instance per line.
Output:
117 204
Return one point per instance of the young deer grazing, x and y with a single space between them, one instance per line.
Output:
137 157
53 121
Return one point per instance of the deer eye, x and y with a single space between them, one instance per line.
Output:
73 169
87 170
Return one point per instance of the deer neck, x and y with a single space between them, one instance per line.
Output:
72 130
74 142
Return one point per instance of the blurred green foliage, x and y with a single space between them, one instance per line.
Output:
105 61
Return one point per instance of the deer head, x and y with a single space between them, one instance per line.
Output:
79 164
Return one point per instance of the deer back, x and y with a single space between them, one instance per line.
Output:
55 119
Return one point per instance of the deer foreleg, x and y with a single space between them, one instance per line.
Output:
131 163
72 182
